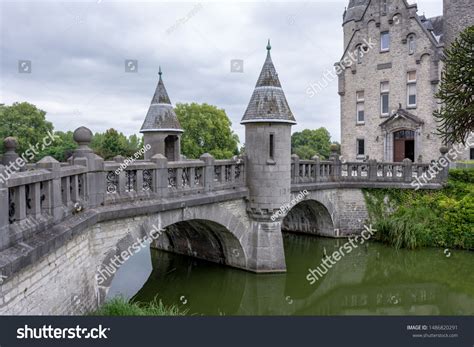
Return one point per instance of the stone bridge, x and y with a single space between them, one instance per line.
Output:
63 224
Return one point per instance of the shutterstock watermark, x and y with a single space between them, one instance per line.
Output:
349 58
437 166
318 273
198 7
129 161
109 270
27 156
285 208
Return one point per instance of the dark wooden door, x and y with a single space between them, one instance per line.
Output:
403 145
398 150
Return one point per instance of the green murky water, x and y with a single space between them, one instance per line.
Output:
373 279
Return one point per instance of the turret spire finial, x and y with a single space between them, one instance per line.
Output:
159 71
268 45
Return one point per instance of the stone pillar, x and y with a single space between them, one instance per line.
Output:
160 179
443 175
208 171
11 159
53 203
336 162
96 176
407 170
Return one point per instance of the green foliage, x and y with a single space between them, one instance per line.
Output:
62 148
119 306
207 129
456 90
308 143
112 143
26 122
411 219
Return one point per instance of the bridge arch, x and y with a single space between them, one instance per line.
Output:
212 233
310 216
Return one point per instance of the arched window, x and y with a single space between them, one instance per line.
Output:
411 44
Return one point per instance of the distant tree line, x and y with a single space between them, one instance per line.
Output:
207 129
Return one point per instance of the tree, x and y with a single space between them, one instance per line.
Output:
456 90
207 129
112 143
62 148
27 123
308 143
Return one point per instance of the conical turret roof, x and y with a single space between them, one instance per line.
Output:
161 115
268 102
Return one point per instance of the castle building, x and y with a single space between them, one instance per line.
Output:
393 63
161 129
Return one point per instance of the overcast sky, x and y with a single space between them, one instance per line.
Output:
78 52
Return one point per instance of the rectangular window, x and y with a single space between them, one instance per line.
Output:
384 41
384 6
360 113
360 116
411 89
471 154
384 98
360 147
271 147
411 44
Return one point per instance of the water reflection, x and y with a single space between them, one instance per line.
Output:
373 279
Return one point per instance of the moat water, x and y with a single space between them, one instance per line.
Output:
373 279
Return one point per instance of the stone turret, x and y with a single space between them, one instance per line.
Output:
268 120
161 129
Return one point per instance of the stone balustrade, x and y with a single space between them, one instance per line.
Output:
48 192
319 171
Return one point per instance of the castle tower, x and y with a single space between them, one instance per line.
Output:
457 16
161 129
268 120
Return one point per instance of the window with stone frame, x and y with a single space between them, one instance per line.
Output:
411 89
360 108
384 41
384 6
411 44
271 148
359 53
384 98
360 147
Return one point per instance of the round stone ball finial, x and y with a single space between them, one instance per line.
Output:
443 150
10 143
333 147
83 136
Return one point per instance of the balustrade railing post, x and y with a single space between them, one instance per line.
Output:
295 159
336 168
179 178
407 170
317 168
95 178
208 171
35 192
53 199
139 182
160 178
192 174
372 165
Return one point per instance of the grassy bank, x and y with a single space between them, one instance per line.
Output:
121 307
410 219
